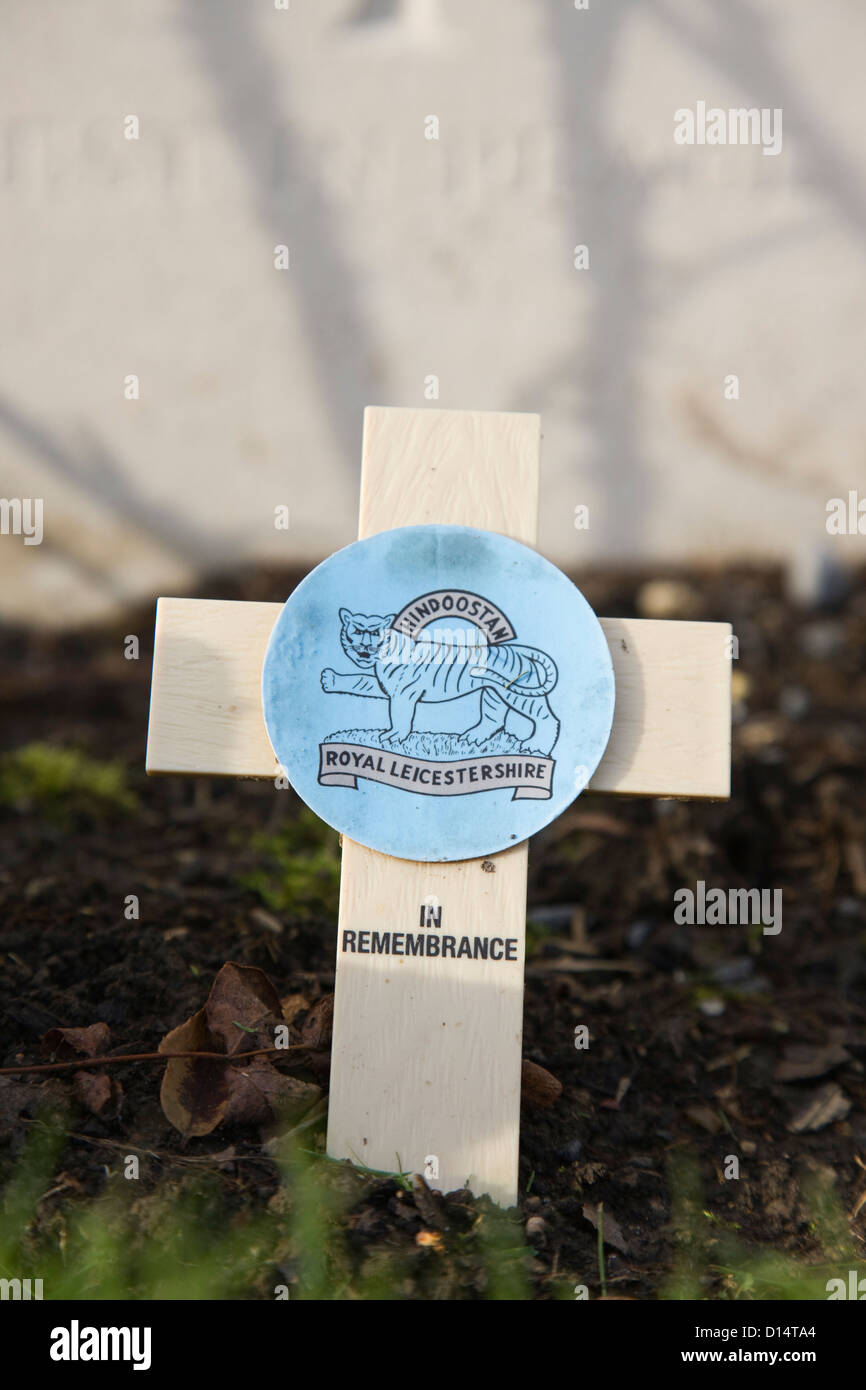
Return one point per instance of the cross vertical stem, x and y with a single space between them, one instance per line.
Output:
426 1060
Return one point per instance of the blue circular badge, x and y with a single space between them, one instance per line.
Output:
438 692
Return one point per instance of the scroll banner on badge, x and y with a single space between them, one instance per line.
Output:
444 605
341 764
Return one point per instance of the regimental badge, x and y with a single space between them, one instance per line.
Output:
438 692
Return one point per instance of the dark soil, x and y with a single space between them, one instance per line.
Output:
693 1029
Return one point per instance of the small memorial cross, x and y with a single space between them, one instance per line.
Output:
426 1059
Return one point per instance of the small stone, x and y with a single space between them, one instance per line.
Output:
822 640
536 1230
733 972
637 934
793 702
571 1151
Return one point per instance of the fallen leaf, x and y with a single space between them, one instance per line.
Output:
200 1093
825 1107
611 1233
293 1004
65 1044
243 1008
320 1065
260 1094
705 1118
195 1091
429 1204
97 1092
801 1061
318 1026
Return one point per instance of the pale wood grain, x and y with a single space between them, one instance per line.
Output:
672 722
450 467
206 711
671 733
426 1055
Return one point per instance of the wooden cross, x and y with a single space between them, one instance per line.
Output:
426 1062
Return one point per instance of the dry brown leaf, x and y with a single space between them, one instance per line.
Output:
65 1044
801 1061
243 1008
611 1233
319 1024
261 1094
825 1107
291 1005
195 1092
429 1204
98 1092
200 1093
95 1090
705 1118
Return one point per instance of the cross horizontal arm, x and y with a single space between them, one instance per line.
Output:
671 731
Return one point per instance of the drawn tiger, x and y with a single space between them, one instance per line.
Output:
444 667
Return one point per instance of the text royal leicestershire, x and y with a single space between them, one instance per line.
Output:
341 764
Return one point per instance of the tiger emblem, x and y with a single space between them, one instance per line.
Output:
405 671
